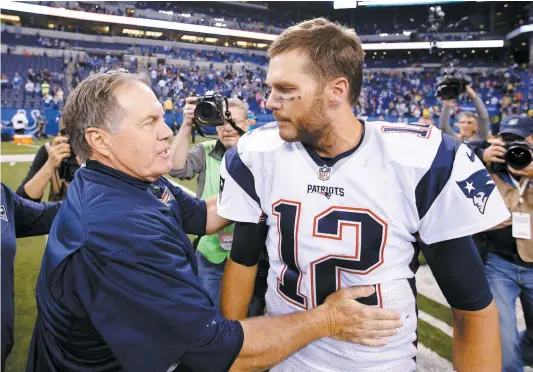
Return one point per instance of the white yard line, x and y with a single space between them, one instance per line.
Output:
429 361
32 146
20 158
427 286
436 323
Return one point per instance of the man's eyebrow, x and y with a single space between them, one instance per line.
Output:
282 84
152 116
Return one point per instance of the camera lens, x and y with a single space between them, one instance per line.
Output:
518 157
206 112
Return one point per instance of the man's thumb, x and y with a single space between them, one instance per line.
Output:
362 291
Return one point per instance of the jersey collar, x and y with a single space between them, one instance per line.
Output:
330 162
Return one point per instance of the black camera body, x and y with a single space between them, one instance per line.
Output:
517 155
452 85
69 165
210 111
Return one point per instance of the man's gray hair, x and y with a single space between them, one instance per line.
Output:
92 104
235 102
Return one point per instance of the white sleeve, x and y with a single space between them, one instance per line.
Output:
237 197
457 197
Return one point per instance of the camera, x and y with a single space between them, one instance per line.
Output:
452 85
517 155
69 165
210 111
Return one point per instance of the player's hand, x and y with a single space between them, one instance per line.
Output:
526 172
59 150
354 322
188 111
495 152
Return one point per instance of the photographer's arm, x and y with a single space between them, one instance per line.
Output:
483 119
186 164
59 150
444 119
193 160
33 185
180 146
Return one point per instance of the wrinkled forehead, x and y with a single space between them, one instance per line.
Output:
137 100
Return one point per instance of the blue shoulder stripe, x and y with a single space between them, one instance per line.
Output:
432 183
240 173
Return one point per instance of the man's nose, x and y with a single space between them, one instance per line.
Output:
272 104
164 130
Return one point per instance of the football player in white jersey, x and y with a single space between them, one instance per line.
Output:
343 203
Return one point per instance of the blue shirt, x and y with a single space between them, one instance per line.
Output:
118 288
20 218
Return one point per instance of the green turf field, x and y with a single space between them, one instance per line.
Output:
30 251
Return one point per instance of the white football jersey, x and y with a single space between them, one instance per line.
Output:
354 223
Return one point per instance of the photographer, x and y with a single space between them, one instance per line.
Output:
471 127
53 164
508 247
204 160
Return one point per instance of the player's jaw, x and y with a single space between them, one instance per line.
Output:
308 128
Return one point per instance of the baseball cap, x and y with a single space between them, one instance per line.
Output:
521 126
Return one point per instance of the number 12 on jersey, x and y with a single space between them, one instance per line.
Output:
371 238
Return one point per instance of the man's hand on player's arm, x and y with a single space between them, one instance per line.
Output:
269 340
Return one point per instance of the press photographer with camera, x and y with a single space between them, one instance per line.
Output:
53 164
508 248
471 127
204 160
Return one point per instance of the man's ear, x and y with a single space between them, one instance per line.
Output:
339 90
98 141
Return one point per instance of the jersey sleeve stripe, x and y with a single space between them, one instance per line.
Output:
433 182
240 173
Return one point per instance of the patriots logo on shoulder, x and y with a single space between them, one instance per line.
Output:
3 213
167 197
478 187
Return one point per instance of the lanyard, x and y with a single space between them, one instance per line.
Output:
521 188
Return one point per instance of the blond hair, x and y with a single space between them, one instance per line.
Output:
334 51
